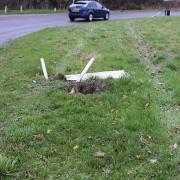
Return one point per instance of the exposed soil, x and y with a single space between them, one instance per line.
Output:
59 76
90 87
85 87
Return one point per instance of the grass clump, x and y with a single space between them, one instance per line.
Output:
171 66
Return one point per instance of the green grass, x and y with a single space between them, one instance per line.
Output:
125 122
32 11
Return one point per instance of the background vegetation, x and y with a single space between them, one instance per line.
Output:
61 4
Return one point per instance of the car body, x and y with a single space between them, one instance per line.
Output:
88 10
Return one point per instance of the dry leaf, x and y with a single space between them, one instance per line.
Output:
153 161
99 154
126 102
146 105
76 147
170 134
98 167
100 103
114 111
175 146
138 157
39 137
49 131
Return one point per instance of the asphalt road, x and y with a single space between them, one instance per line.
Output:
15 26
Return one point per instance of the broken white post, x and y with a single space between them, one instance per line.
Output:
44 68
85 70
157 14
5 9
99 75
21 8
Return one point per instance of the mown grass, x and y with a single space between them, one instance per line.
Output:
124 122
32 11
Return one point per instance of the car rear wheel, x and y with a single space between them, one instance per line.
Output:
72 19
107 16
90 17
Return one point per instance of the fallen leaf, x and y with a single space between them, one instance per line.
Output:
49 131
114 111
100 103
76 147
99 154
177 130
39 137
153 161
170 134
146 105
138 157
174 146
126 102
98 167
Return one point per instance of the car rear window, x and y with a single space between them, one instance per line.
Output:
80 3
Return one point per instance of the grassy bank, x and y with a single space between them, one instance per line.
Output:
47 133
33 11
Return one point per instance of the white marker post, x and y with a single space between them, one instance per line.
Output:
44 68
5 9
55 9
157 14
85 70
21 8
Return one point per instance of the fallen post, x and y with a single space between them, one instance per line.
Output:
99 75
157 14
44 68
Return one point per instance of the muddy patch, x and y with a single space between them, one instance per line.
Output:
90 87
85 87
57 77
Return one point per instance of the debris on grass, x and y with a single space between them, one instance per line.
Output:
99 154
76 147
39 137
81 83
174 146
59 76
49 131
89 87
153 161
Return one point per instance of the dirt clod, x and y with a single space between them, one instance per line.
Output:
90 87
58 77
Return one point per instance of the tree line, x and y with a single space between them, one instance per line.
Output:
62 4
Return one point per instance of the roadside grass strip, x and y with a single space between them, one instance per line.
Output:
130 131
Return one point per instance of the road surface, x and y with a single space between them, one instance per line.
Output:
14 26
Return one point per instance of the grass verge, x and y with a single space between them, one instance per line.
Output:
33 11
47 133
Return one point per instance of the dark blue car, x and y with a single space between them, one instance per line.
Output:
88 10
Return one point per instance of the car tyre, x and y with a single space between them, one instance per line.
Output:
72 19
90 17
107 16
